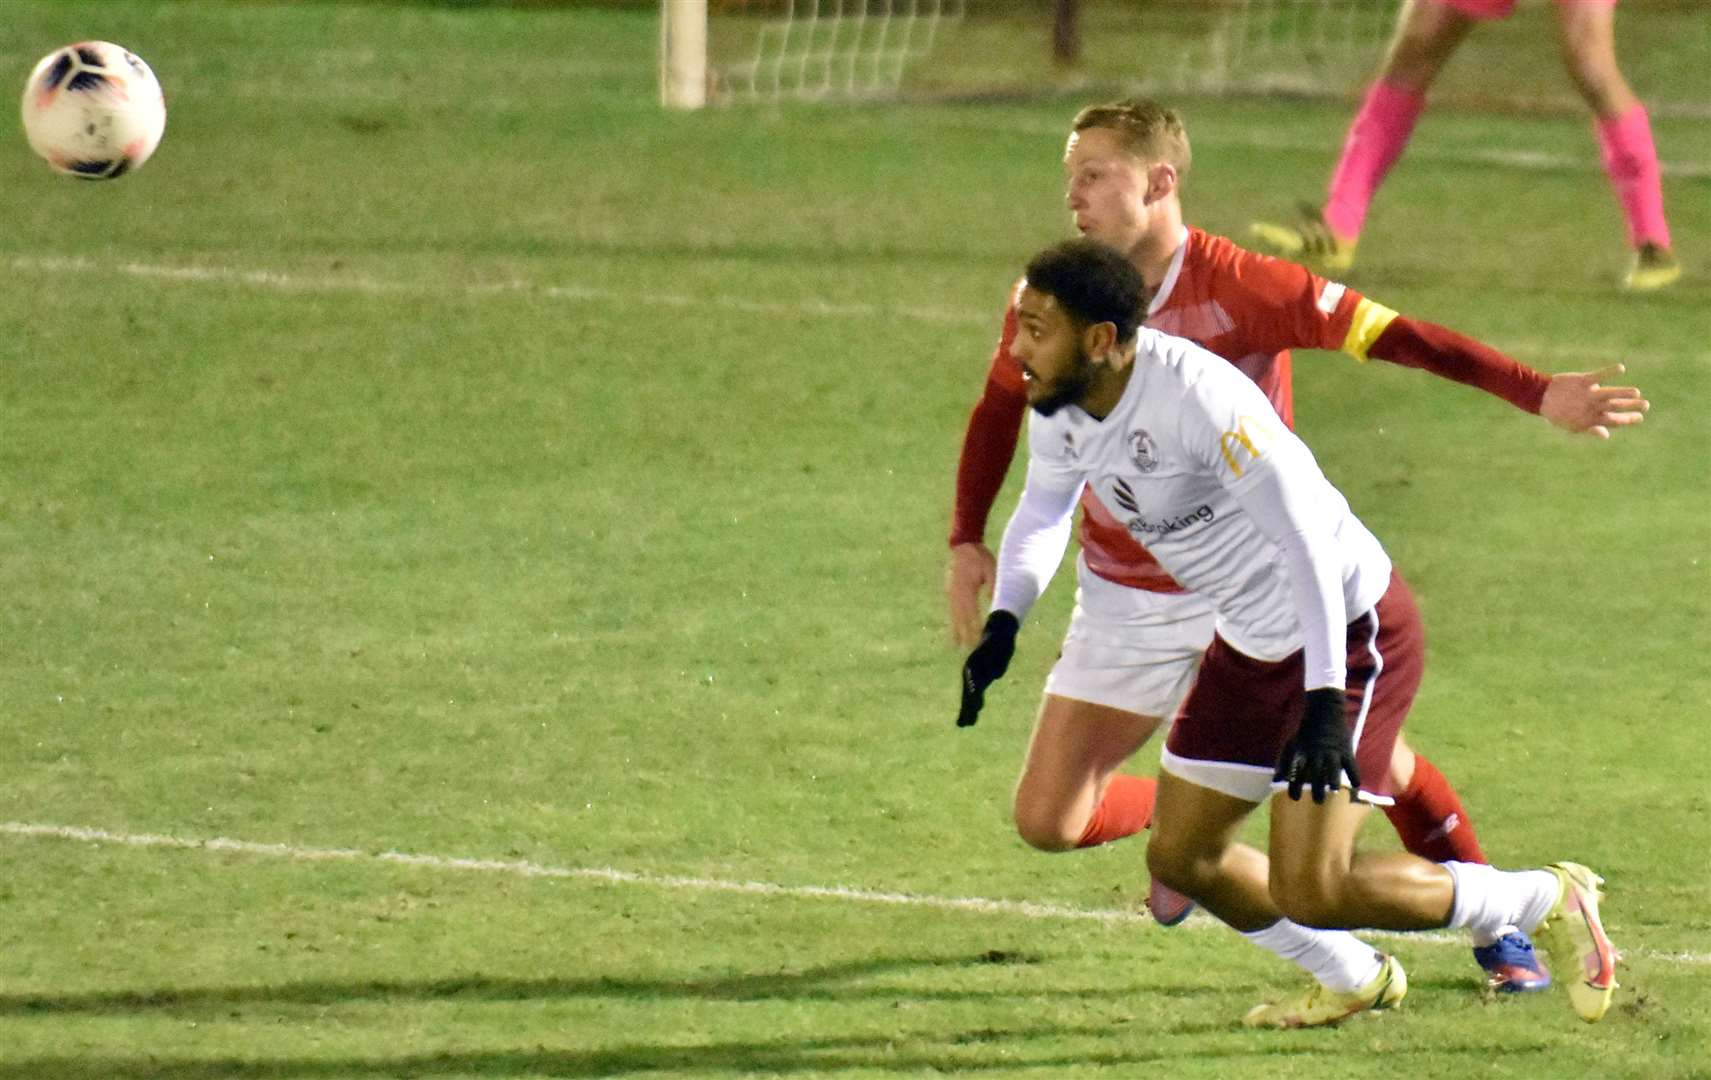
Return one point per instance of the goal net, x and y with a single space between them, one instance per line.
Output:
774 51
1333 47
749 51
1256 46
802 50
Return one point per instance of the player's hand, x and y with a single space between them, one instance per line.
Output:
1578 401
972 569
986 664
1320 753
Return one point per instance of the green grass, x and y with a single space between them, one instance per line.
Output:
438 448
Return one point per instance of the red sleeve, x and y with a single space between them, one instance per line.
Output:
990 441
1450 355
1277 305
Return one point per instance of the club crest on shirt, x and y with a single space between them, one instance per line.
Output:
1142 450
1069 446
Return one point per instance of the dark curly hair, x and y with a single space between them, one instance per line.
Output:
1092 282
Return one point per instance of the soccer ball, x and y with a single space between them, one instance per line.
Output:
93 110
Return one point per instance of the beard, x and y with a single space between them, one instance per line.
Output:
1067 389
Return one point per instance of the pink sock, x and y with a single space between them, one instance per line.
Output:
1376 139
1631 161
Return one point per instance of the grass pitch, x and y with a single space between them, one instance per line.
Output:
438 449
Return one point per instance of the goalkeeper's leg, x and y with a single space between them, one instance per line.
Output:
1427 34
1587 33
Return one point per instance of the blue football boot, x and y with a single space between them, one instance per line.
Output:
1510 965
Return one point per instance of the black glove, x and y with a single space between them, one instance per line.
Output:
1320 752
986 664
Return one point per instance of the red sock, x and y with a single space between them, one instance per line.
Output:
1126 809
1430 820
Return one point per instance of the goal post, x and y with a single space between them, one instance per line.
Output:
683 53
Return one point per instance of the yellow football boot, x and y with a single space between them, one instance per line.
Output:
1654 267
1317 1006
1581 955
1309 241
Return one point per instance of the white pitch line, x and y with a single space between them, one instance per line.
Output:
611 875
525 868
335 283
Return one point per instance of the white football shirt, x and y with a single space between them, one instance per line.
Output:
1197 465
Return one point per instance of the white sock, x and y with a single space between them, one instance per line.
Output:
1338 959
1492 902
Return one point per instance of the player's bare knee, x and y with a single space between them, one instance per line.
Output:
1046 830
1177 865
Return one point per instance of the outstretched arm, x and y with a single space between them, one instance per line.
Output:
1282 305
1574 401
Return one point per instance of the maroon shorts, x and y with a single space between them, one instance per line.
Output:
1229 732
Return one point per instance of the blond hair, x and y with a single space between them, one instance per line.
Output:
1150 132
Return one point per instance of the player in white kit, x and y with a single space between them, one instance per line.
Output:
1317 654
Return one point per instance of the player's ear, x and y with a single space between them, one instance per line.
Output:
1161 181
1099 341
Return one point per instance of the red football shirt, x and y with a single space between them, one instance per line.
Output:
1250 309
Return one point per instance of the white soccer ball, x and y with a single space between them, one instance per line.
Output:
93 110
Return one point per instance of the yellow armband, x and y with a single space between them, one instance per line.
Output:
1369 322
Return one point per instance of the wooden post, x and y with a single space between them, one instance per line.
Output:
683 53
1066 33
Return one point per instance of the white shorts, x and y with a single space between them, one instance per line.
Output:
1130 649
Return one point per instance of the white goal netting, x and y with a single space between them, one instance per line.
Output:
775 51
1333 47
1297 46
794 50
762 51
814 50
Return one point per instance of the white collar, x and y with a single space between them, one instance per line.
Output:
1170 275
